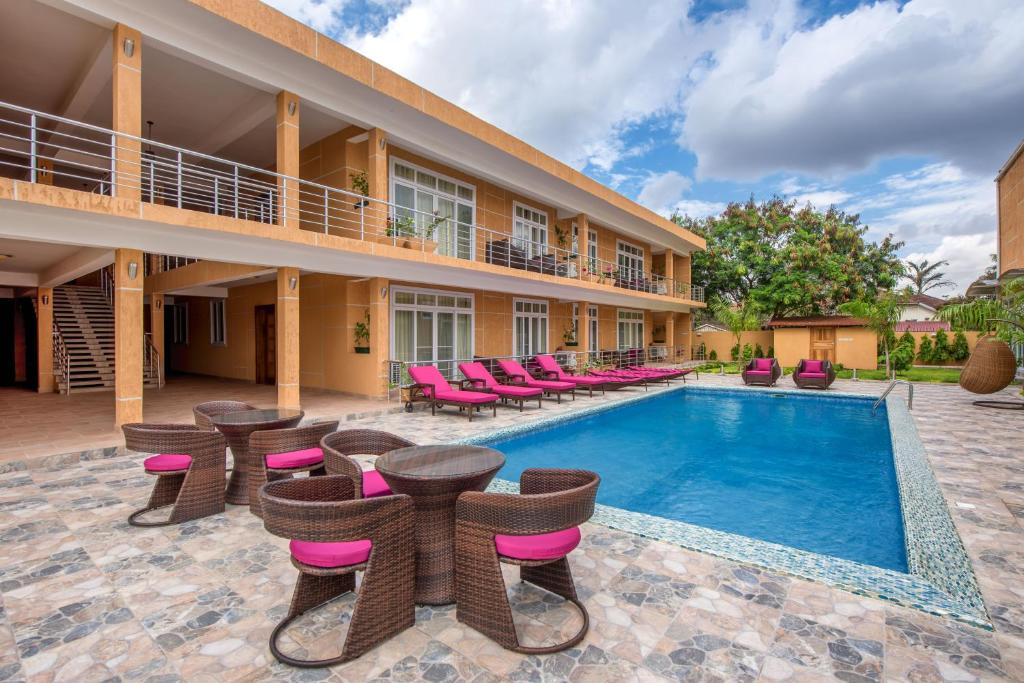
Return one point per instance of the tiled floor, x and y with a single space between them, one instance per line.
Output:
86 597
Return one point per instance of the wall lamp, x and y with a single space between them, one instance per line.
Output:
129 47
292 106
383 142
133 270
383 292
293 283
46 299
159 304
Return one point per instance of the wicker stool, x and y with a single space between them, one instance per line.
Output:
497 527
280 453
190 473
342 536
204 411
339 445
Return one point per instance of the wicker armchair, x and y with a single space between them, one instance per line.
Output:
551 501
204 411
814 374
280 453
337 448
190 470
763 371
342 535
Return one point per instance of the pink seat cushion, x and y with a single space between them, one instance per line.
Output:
169 462
763 364
374 485
576 379
540 546
759 373
813 375
521 392
466 396
341 554
811 366
293 459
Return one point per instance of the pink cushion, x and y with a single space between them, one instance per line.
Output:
763 364
477 371
428 374
292 459
340 554
811 366
466 396
540 546
759 373
169 462
549 364
519 392
576 379
813 375
374 485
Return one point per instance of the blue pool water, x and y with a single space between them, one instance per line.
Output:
814 473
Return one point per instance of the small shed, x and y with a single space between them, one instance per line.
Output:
841 339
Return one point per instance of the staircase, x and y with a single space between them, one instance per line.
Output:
83 348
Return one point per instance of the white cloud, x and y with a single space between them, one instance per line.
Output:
660 191
322 15
968 256
697 208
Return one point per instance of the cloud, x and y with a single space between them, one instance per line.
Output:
698 208
660 191
938 78
968 256
322 15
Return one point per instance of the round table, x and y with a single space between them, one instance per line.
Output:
434 476
236 428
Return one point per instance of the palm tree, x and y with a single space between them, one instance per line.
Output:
925 276
1005 315
881 315
738 318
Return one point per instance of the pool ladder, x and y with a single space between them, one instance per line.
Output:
888 390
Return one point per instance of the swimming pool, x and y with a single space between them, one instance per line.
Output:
813 474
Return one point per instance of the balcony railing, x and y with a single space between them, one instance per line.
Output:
100 160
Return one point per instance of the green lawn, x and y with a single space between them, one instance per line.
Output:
940 375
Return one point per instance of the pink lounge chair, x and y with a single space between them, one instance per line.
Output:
481 380
430 385
553 371
814 374
668 373
518 375
764 371
631 376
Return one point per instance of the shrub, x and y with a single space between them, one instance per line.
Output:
925 351
908 339
758 351
734 352
960 349
748 352
941 350
713 355
902 357
771 352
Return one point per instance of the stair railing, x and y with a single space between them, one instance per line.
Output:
61 361
892 385
153 359
107 284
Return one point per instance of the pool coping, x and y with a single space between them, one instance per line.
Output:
941 579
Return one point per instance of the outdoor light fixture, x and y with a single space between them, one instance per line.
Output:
383 141
133 270
159 304
383 292
291 108
46 299
129 47
292 282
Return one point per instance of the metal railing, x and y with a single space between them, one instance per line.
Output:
61 361
152 358
107 284
892 385
110 163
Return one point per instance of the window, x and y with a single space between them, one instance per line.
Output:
179 322
530 230
631 329
530 327
432 326
433 206
592 344
592 250
218 328
630 261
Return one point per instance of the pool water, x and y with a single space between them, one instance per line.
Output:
810 472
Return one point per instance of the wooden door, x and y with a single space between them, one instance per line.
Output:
823 343
266 345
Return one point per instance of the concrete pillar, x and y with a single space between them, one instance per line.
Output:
377 179
583 327
44 338
288 159
380 337
670 273
670 334
127 110
287 321
128 336
156 328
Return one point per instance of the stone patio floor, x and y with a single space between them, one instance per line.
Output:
85 597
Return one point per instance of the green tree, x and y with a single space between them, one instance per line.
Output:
907 339
791 260
880 314
758 351
942 351
738 319
961 349
903 353
926 352
1004 315
924 276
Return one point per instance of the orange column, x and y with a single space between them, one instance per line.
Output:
670 334
288 159
44 339
156 328
128 335
127 110
670 273
380 328
287 321
377 179
583 327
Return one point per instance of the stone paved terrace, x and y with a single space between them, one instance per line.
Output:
85 597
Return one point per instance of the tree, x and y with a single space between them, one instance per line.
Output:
941 352
1004 315
926 352
903 353
738 319
791 260
961 349
924 276
880 315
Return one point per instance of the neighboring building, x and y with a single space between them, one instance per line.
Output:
840 339
1010 208
920 307
929 326
710 326
236 195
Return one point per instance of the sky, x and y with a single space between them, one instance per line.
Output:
899 111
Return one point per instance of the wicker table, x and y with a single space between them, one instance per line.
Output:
434 476
236 428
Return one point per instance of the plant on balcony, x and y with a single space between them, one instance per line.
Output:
360 185
361 333
403 226
569 335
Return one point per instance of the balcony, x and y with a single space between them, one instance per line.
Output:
40 147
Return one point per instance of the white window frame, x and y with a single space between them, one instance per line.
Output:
630 252
592 251
218 309
533 247
632 320
394 180
545 316
179 324
435 309
595 326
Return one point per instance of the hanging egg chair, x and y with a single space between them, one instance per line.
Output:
991 368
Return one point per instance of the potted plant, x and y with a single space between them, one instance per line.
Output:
360 185
569 335
362 334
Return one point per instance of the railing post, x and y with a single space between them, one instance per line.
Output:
325 210
113 164
236 191
32 134
179 179
216 195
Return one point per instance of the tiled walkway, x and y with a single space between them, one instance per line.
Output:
86 597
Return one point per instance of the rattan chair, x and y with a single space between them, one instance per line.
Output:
323 520
204 411
337 448
189 470
297 449
763 371
551 501
814 379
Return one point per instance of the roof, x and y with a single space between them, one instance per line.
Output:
927 300
818 321
922 326
712 324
